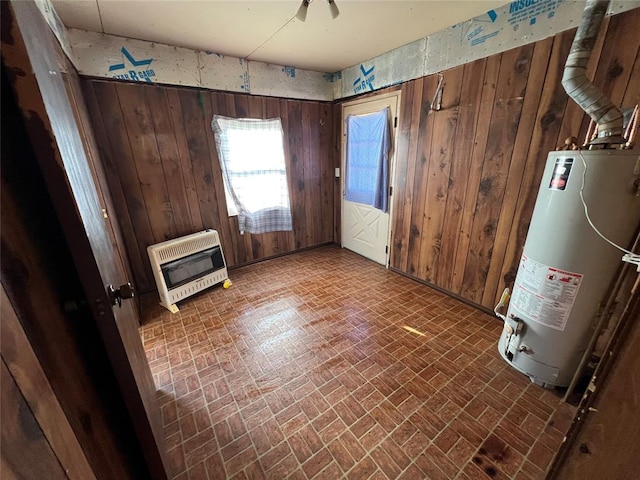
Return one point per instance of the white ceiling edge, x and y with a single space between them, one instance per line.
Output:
113 57
96 54
268 31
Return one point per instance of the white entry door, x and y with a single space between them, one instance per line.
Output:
365 227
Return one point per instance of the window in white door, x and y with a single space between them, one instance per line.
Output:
367 159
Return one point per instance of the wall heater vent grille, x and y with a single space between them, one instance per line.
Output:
186 247
187 265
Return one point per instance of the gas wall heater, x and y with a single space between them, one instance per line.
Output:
187 265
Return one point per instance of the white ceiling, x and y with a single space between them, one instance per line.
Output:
268 31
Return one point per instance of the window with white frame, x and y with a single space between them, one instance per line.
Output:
254 172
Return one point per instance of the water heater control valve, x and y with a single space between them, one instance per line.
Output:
515 324
513 327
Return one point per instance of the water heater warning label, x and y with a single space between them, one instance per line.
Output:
545 294
560 175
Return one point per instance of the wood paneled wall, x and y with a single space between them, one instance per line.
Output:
609 427
22 373
25 450
39 277
468 175
165 179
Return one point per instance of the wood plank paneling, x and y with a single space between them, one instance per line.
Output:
464 193
516 168
310 121
26 453
470 97
59 147
74 90
177 124
445 123
115 191
160 155
296 171
419 188
170 159
510 89
196 128
402 151
481 136
404 189
27 373
619 53
39 277
336 154
632 95
326 172
466 176
142 137
117 158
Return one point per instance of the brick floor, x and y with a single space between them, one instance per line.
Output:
324 365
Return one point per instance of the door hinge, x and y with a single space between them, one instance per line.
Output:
390 191
395 122
386 249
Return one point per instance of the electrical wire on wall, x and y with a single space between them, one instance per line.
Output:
629 256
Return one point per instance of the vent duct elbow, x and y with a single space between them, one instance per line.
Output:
590 98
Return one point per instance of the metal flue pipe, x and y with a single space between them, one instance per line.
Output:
590 98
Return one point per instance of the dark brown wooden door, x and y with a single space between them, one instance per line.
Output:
34 57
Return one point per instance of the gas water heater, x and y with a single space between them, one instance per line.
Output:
588 199
566 266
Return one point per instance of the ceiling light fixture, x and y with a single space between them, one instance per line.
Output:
302 11
304 6
334 8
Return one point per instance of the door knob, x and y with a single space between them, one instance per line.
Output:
116 296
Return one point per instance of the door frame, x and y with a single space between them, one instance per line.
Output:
392 159
33 56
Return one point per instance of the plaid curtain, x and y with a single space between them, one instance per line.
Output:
254 172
